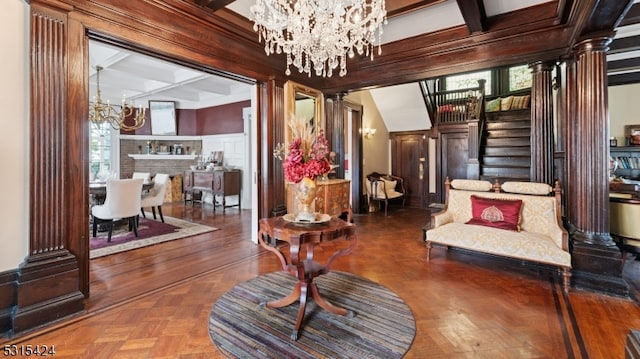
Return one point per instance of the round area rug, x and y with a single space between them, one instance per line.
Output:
383 326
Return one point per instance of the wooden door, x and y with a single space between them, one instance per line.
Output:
453 158
409 154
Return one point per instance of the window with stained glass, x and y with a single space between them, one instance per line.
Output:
519 78
469 80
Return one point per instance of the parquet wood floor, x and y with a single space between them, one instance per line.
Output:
154 302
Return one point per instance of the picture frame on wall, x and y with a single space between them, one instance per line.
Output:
163 118
632 134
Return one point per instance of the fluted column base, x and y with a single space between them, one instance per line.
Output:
597 267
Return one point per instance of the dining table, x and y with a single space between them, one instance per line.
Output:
98 191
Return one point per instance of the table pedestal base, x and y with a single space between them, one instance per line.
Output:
304 267
301 292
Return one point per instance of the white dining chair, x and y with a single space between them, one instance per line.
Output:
123 201
155 198
146 176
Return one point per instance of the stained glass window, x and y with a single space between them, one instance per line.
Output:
519 78
465 81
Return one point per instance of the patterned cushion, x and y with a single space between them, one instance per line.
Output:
471 185
527 188
493 105
498 213
520 102
505 103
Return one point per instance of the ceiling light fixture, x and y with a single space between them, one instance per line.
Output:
100 113
319 34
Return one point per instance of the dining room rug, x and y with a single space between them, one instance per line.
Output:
383 327
149 232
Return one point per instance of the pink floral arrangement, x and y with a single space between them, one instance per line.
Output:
307 153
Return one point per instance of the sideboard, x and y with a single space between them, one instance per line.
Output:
220 183
333 198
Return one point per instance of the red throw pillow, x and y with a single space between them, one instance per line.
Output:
498 213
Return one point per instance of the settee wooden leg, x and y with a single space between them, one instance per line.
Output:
428 250
566 279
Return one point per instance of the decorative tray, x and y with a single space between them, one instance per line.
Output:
320 218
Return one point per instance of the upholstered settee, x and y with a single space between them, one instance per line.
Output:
518 220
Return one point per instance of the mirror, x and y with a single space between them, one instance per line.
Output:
302 101
163 117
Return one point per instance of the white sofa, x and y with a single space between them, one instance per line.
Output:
541 237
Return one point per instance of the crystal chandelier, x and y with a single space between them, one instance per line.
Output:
319 34
100 113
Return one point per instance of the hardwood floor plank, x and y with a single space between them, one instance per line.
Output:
155 301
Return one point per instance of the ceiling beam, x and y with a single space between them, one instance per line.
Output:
606 16
474 15
623 79
632 16
624 44
400 7
214 5
630 64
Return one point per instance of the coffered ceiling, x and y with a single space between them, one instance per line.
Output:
142 78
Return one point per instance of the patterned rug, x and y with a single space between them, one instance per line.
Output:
383 327
149 232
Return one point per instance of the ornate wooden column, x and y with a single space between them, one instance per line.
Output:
272 132
596 260
542 137
335 123
49 280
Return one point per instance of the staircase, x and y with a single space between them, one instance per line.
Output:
506 146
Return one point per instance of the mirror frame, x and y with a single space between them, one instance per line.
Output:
291 91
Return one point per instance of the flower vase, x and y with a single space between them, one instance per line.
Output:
305 194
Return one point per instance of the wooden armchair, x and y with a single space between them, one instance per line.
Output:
383 188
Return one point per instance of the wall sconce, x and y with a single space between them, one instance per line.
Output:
368 132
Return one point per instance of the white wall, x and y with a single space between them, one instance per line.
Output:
234 148
622 109
375 150
14 101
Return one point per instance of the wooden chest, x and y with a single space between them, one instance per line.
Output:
333 197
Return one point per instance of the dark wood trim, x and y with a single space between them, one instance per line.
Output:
214 5
357 176
8 295
273 196
335 124
474 14
596 260
542 138
48 285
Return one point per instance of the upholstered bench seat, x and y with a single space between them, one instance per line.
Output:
520 245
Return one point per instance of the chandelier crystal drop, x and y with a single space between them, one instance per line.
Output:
101 113
319 34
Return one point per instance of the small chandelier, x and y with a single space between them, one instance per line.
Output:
319 34
100 113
